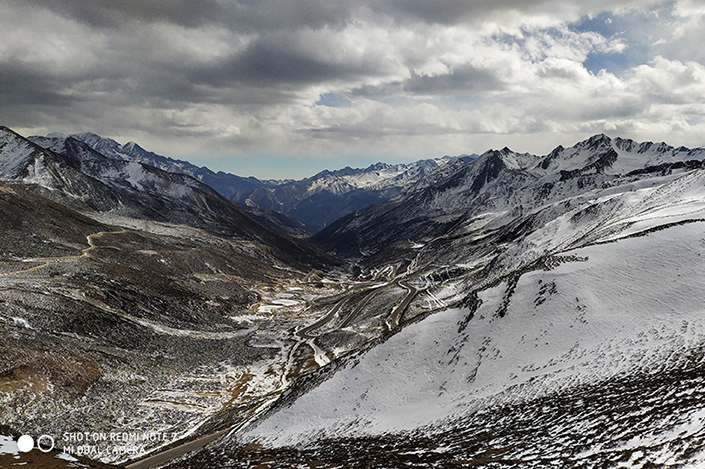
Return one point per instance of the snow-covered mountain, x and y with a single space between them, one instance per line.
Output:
597 360
500 181
72 173
316 201
136 156
321 199
229 185
558 321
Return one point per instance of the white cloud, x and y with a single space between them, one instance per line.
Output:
670 81
420 79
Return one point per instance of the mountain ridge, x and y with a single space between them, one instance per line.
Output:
498 178
315 201
84 179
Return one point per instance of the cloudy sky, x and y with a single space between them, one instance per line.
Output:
285 88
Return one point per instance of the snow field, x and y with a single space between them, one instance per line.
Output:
632 306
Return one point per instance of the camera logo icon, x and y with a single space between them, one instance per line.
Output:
25 443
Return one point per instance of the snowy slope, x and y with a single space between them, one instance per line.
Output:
619 156
76 170
593 318
18 153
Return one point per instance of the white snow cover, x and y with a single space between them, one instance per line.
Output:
631 155
15 154
377 177
620 307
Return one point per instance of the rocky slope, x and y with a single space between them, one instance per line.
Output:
106 328
137 301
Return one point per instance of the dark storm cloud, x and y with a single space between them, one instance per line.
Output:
275 58
243 15
143 67
23 84
254 15
280 59
456 11
114 13
463 79
437 11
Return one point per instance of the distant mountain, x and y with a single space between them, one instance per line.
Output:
321 199
229 185
131 152
72 173
316 201
501 181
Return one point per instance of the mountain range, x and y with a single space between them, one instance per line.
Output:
72 173
504 310
505 184
315 201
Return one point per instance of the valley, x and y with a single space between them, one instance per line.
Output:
139 298
510 309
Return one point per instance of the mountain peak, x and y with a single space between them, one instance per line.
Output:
378 166
489 168
132 146
597 141
17 154
600 137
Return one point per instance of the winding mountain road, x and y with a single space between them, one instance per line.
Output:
392 321
47 261
304 332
